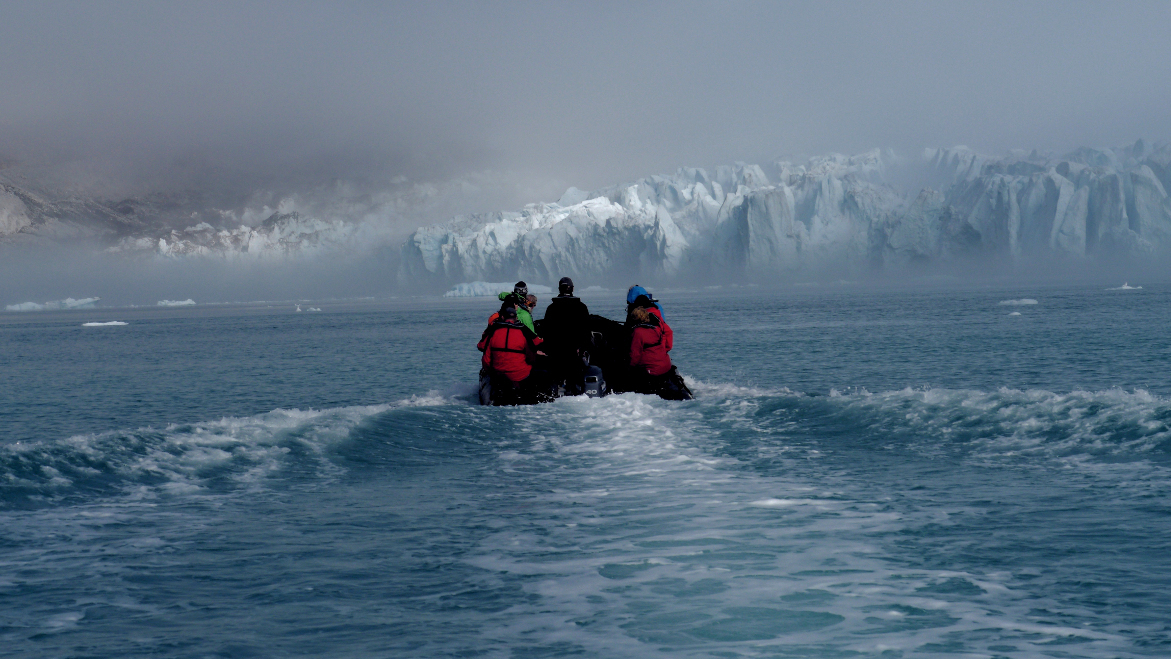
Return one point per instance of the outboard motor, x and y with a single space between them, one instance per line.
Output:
595 382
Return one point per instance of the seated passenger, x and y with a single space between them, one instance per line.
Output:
649 345
524 310
633 294
509 348
651 306
519 296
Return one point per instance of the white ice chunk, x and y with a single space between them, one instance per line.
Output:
491 289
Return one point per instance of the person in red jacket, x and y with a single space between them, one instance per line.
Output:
509 348
649 344
651 371
651 307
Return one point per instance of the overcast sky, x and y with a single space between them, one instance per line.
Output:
592 93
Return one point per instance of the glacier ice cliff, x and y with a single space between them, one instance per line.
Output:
834 213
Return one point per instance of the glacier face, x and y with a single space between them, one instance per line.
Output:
832 212
592 237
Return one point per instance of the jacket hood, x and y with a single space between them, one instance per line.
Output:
634 292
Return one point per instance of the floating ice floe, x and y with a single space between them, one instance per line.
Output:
1015 313
67 303
111 323
176 303
491 289
1126 287
1018 303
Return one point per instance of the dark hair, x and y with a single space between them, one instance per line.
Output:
507 311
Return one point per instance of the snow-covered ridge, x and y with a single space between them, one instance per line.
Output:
839 212
338 220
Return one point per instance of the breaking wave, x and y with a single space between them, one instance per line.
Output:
212 456
234 453
1013 423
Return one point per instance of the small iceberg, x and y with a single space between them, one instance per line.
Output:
1126 287
67 303
1015 313
111 323
176 303
1018 303
491 289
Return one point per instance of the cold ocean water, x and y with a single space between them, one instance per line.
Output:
897 474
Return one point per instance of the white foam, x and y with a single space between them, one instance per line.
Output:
1126 287
1018 303
111 323
733 391
176 303
783 503
632 485
491 289
67 303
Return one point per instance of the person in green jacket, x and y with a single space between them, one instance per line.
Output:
524 303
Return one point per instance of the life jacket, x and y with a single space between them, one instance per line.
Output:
509 349
649 344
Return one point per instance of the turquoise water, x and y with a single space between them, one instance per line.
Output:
861 474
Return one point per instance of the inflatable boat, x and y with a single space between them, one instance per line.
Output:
602 370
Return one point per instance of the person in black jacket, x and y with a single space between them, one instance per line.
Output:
567 335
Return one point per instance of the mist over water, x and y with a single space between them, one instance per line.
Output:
348 128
